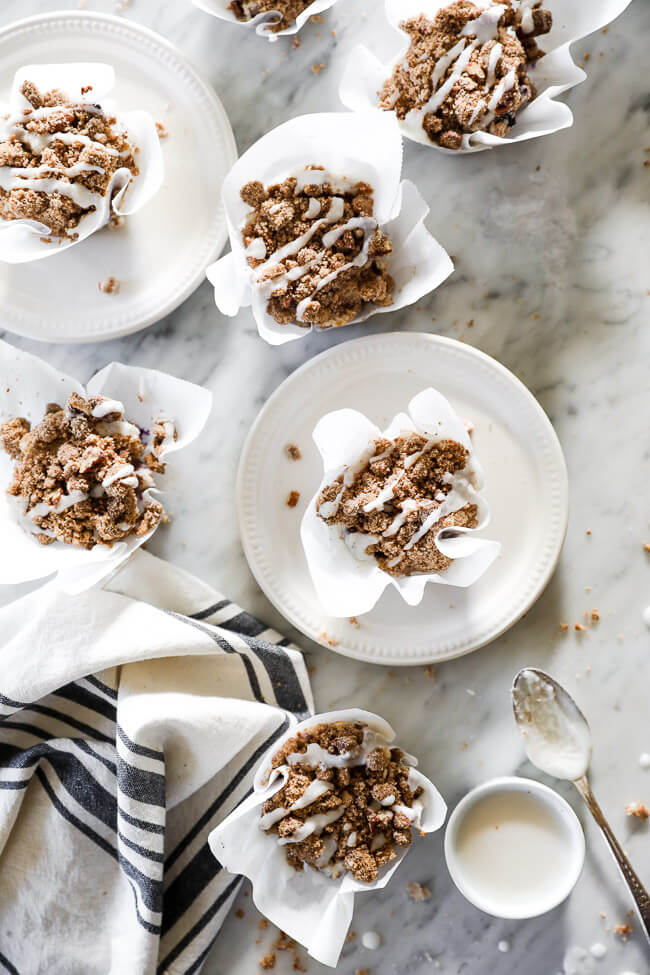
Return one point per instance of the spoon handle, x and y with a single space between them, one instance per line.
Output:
638 891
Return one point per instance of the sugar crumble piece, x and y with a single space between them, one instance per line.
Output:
638 810
317 68
579 627
430 673
623 931
353 621
564 627
267 961
296 42
350 936
646 546
293 451
263 924
239 913
162 130
418 892
293 499
594 616
111 286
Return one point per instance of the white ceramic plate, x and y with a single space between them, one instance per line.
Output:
526 489
161 253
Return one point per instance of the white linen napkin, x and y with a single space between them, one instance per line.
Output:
132 719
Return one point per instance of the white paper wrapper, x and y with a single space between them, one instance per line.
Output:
350 584
311 907
21 240
360 147
265 21
364 74
28 385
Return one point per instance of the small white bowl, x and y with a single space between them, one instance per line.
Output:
551 891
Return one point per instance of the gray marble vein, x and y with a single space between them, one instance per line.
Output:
551 245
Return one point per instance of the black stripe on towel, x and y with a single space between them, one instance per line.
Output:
7 964
230 890
211 610
225 646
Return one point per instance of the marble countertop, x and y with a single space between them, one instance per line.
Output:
551 241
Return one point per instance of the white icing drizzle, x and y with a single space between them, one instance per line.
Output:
67 500
256 249
313 209
503 86
352 838
314 791
329 848
329 508
493 59
484 27
414 458
118 428
457 498
386 493
315 755
106 406
409 505
313 825
388 801
124 473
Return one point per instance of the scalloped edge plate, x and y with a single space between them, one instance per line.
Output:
161 253
526 488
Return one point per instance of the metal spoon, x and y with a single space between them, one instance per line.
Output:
558 741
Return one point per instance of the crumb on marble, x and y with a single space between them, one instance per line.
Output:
418 892
293 499
430 673
317 68
353 621
268 961
637 809
161 130
623 930
239 913
579 627
564 627
594 616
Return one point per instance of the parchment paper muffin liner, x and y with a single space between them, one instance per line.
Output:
23 240
360 147
264 21
308 905
554 74
28 385
349 585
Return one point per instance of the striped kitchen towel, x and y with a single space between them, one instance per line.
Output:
131 721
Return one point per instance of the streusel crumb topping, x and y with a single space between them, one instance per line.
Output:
57 158
348 803
81 472
316 249
394 505
467 68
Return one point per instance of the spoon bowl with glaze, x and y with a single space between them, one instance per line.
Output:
558 741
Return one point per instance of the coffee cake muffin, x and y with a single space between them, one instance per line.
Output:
392 504
286 11
81 473
467 68
349 802
58 160
316 250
